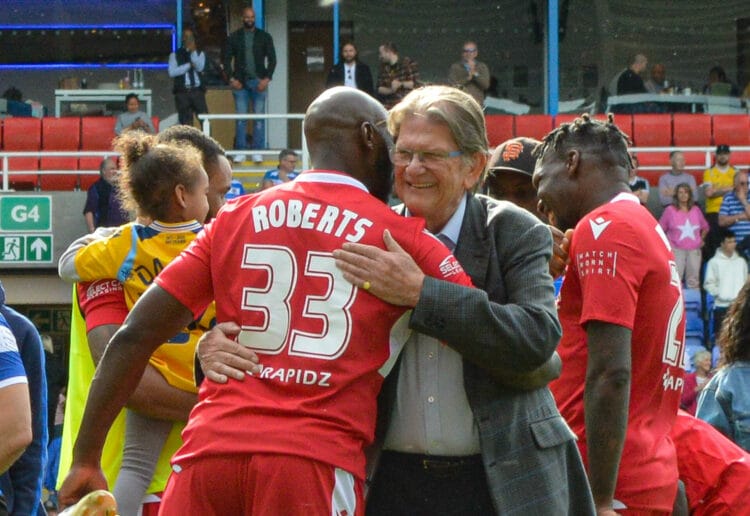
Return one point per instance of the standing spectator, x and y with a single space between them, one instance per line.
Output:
470 75
22 484
186 68
686 229
630 80
734 213
397 77
658 82
717 182
618 390
103 207
284 172
53 453
696 381
133 118
674 177
726 273
350 71
638 185
724 403
250 60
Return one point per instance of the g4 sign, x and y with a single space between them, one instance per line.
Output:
25 213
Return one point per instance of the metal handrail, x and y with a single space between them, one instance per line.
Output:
5 155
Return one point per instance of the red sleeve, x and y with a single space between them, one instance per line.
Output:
102 302
437 261
188 277
610 268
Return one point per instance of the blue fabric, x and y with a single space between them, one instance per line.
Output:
22 483
242 100
725 405
731 205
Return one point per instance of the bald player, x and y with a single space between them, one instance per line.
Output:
290 435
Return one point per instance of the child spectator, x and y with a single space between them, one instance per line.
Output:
166 184
726 272
686 229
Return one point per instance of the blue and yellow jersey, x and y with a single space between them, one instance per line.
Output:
134 255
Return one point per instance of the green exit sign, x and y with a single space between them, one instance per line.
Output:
25 213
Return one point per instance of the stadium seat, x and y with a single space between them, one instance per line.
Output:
690 130
652 159
624 122
692 297
499 128
97 133
60 134
23 134
740 159
533 126
652 130
731 129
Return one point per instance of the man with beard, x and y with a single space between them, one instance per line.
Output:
717 182
622 316
249 60
350 71
289 437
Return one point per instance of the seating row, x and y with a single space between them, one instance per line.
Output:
645 130
28 134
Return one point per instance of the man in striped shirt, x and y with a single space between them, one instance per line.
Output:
735 212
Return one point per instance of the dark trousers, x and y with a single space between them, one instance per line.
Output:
420 485
189 102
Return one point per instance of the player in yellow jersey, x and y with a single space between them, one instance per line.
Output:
167 185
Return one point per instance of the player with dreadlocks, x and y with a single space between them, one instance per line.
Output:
621 298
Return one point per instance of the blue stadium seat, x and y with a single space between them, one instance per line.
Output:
693 324
692 298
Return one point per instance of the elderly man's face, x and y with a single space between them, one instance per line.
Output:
432 190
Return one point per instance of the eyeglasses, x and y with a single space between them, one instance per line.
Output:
403 157
470 50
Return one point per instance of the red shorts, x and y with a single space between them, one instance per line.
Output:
150 506
259 485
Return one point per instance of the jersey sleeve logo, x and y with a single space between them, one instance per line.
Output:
598 225
450 267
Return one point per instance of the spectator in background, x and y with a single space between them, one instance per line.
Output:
53 453
734 213
658 82
674 177
236 188
686 229
469 74
724 402
15 426
638 185
696 381
726 273
249 60
185 68
397 77
22 484
630 80
133 118
103 207
719 84
284 172
350 71
717 182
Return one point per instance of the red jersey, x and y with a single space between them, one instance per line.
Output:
102 302
323 343
622 271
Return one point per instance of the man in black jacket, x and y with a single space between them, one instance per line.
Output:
249 60
186 68
350 71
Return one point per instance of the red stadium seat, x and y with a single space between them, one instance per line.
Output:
653 159
652 130
97 133
691 130
533 126
740 159
499 128
23 134
731 129
60 134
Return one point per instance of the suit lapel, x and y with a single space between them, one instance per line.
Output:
472 249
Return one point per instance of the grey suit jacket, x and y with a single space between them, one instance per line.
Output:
509 322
